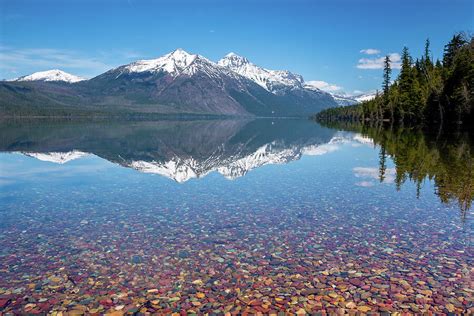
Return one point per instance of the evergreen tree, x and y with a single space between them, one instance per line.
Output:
452 48
440 93
387 70
459 79
427 56
405 86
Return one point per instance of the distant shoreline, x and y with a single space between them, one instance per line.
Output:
143 117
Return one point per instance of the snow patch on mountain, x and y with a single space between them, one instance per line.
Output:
265 155
177 63
365 97
271 80
57 157
50 75
178 169
173 62
345 100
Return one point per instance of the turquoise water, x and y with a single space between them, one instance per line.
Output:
221 216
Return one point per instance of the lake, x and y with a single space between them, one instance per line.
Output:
233 216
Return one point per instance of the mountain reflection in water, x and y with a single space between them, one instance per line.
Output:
179 150
182 150
369 223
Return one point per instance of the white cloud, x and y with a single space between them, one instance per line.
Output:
40 59
365 184
370 51
374 173
377 62
320 150
323 85
131 54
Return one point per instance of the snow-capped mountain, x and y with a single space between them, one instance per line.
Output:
51 75
181 82
176 83
191 83
173 62
365 97
176 63
341 98
271 80
345 100
281 81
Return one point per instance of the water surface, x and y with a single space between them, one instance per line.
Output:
232 216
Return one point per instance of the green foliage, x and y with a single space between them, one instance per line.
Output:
387 71
425 93
446 157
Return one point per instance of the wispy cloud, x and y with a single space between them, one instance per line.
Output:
38 59
132 54
369 174
321 149
370 51
366 184
323 85
377 62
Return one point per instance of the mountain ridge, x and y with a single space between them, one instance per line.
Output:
175 83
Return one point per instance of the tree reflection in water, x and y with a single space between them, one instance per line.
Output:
446 157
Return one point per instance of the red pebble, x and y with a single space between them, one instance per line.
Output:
4 302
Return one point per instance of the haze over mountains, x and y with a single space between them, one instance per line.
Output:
176 83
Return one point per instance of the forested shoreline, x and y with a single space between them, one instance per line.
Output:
425 93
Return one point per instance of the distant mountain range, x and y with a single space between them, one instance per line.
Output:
345 100
176 83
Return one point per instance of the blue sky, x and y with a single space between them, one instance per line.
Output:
321 40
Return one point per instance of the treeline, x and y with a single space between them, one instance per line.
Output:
425 92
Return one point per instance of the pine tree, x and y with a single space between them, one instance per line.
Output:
427 56
425 92
405 86
459 79
452 48
387 71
